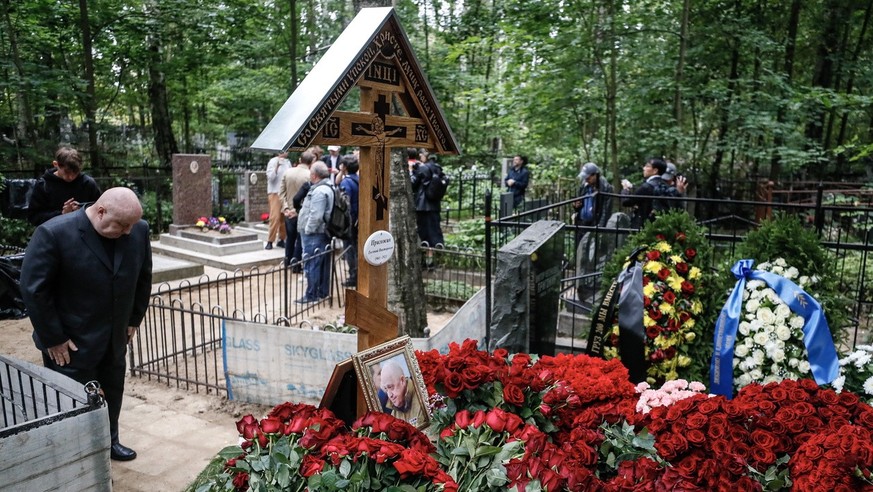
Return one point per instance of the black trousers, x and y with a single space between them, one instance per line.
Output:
109 372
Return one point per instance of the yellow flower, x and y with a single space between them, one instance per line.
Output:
666 308
222 220
663 247
648 321
610 352
690 336
694 273
615 329
649 290
665 341
676 259
200 223
653 267
684 361
688 325
675 282
671 375
696 307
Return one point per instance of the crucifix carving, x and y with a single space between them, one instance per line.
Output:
380 131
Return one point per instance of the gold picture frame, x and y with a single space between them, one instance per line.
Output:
392 383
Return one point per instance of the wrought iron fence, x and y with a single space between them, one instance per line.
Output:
843 224
180 340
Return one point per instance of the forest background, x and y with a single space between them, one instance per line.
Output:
728 89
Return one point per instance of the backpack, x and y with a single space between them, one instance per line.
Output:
435 189
663 189
339 221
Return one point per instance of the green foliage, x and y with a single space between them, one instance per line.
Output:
15 232
785 237
151 213
447 289
775 478
622 443
469 234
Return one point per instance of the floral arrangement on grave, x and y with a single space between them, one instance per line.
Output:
519 422
299 447
213 224
776 326
856 373
672 287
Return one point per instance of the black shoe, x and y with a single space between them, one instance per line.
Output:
304 300
120 452
269 246
280 243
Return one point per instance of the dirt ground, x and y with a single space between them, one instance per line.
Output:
175 433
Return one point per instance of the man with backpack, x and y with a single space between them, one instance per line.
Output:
312 226
429 185
594 205
351 185
642 198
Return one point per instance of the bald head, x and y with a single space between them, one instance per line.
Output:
115 212
394 384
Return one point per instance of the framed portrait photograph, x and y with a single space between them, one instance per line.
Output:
392 383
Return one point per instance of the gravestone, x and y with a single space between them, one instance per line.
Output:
527 286
256 195
192 189
594 250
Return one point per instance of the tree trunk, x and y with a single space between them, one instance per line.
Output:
25 134
611 91
405 285
724 124
841 137
162 123
90 101
680 68
788 73
292 43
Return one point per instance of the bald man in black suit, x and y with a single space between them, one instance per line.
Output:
86 281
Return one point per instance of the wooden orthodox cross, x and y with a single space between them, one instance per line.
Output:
397 109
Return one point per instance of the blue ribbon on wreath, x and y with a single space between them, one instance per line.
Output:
823 360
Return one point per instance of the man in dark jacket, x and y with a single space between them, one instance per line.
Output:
86 280
427 211
642 197
517 179
61 189
594 207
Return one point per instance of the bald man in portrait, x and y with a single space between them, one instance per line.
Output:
403 402
86 281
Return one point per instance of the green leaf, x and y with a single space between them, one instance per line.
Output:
230 452
345 468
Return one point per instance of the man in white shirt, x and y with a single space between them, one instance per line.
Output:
275 170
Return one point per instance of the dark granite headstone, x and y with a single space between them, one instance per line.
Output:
527 285
595 249
192 188
256 195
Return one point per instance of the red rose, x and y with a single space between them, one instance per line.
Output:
463 419
690 253
454 385
663 274
655 314
682 268
501 353
521 359
478 419
696 437
660 237
244 422
241 481
669 297
687 287
513 395
680 236
271 425
653 255
496 419
411 463
696 421
473 376
311 465
653 331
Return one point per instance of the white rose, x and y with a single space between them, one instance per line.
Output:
758 356
791 273
782 311
744 328
778 355
761 337
755 284
745 295
803 281
780 262
793 362
756 325
778 270
752 305
803 367
783 332
771 379
743 380
766 316
796 322
756 374
741 351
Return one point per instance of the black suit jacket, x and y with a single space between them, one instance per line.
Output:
73 292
